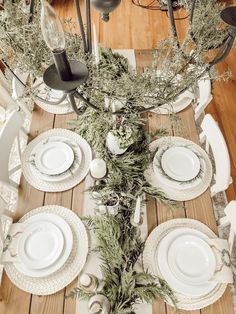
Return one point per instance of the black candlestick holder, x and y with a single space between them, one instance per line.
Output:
67 75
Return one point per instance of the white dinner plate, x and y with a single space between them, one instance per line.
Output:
40 245
191 259
180 163
68 243
161 257
53 158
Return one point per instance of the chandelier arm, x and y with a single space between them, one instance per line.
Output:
88 103
192 11
172 20
31 10
173 26
53 103
81 25
77 110
88 23
224 52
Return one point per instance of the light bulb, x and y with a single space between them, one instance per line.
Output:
52 29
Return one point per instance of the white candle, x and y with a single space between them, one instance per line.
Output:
85 280
137 211
98 168
95 45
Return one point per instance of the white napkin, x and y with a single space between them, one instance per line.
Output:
224 273
11 243
5 224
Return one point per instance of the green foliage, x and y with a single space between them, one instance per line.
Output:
119 247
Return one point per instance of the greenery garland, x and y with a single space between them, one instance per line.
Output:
176 67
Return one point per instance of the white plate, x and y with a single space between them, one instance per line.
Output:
40 245
162 262
191 259
173 183
180 163
69 172
53 158
68 240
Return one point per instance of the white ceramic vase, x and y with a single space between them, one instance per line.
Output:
113 145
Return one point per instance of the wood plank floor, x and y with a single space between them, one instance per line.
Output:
133 27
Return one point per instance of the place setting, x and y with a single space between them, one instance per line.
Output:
180 168
56 160
192 259
45 250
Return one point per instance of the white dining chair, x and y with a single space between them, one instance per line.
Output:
11 131
214 139
229 219
205 96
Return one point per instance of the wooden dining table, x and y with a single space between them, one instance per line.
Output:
15 301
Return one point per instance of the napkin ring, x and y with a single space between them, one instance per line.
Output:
225 258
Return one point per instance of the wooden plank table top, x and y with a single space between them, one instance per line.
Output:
16 301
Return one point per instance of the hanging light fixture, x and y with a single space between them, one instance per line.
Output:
67 75
105 7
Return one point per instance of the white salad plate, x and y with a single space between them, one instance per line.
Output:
180 185
73 169
40 245
166 271
64 228
180 163
191 259
53 158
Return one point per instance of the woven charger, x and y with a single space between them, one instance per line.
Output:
73 266
184 194
68 183
183 302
